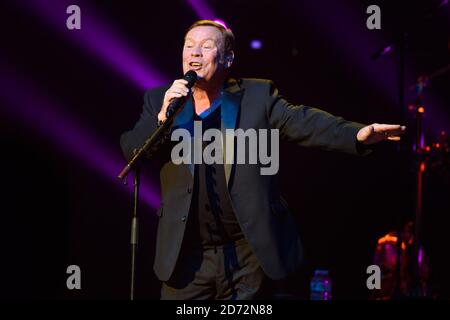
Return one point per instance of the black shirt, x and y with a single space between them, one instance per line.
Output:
212 220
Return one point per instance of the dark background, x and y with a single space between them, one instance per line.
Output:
57 210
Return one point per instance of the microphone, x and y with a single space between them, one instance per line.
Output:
175 104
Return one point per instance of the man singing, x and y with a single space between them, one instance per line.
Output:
224 231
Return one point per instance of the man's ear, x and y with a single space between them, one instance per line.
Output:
229 59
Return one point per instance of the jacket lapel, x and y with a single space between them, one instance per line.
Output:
185 120
231 102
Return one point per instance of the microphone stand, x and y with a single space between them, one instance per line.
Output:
134 231
150 146
418 289
422 157
400 42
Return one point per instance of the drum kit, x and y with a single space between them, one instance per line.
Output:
401 254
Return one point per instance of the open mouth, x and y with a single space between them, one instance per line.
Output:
195 65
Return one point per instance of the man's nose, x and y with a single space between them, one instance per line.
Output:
196 52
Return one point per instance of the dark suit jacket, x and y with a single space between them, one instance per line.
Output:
262 214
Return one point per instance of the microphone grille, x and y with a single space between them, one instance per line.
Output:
191 78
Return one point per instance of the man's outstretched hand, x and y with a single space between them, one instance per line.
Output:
378 132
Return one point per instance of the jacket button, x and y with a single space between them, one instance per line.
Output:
183 218
189 190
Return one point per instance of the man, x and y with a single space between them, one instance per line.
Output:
224 230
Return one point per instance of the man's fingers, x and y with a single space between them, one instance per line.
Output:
180 89
181 81
377 132
389 130
177 94
389 127
174 95
181 84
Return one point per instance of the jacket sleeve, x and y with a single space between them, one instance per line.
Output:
145 126
312 127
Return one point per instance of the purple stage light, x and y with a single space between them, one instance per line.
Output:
344 31
40 114
202 9
221 22
256 44
340 26
99 39
386 50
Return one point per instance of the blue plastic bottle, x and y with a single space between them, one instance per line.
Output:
320 285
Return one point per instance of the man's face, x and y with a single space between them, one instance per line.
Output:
203 52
